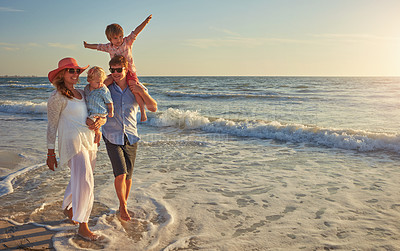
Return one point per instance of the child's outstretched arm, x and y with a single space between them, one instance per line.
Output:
142 25
90 46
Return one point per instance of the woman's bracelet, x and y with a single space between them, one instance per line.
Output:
51 155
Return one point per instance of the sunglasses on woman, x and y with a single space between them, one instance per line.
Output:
119 70
72 70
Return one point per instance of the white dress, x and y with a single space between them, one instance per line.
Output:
69 117
76 149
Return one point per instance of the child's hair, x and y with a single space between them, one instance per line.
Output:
118 59
114 30
94 72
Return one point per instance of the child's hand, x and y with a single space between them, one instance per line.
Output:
135 87
84 44
111 114
149 17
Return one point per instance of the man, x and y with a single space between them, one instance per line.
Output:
120 132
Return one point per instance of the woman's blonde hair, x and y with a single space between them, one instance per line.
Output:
59 83
94 72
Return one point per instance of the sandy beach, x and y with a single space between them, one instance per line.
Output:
313 165
24 237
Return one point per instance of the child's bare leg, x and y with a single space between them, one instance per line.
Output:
139 100
97 136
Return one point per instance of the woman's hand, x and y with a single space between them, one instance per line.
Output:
97 124
51 159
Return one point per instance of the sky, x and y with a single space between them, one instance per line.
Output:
208 37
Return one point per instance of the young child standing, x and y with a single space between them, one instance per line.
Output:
98 97
120 45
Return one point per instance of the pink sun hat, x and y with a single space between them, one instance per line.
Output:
64 64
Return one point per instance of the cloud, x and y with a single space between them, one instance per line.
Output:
356 38
232 39
228 38
225 31
63 46
16 47
6 9
10 48
249 42
33 45
223 42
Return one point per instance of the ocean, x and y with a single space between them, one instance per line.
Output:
226 163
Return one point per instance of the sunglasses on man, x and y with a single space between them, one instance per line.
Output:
119 70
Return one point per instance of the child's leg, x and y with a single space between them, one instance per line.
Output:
97 136
132 79
139 100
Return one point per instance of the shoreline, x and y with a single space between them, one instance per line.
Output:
25 237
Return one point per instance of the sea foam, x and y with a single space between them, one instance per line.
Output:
349 139
6 182
29 107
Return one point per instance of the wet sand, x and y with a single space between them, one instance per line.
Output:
9 160
25 237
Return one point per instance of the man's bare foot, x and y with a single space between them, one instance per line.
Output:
69 214
123 211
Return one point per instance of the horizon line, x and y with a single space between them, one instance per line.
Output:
296 76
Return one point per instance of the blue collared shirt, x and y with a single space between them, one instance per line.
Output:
124 121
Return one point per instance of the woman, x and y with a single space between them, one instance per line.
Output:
67 114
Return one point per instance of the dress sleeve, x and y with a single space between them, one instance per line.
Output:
55 105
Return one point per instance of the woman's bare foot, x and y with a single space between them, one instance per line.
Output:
86 234
123 211
69 214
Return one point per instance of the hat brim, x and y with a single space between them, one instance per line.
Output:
54 73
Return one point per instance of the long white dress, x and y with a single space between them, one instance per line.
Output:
76 149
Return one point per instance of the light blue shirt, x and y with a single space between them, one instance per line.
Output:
124 120
97 99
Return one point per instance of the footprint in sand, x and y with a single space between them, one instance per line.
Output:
134 228
101 243
319 213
